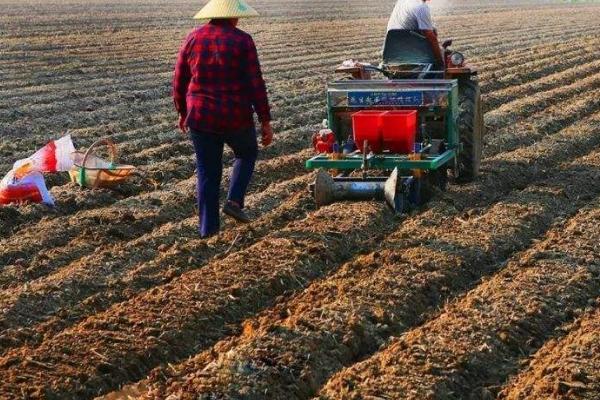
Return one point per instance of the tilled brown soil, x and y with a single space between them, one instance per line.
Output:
564 368
477 342
291 350
175 319
114 288
50 304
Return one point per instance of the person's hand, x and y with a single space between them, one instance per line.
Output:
182 126
267 134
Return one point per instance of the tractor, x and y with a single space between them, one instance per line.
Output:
401 137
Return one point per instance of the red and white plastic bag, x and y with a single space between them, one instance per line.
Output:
30 189
25 182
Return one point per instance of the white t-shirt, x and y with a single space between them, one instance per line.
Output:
411 15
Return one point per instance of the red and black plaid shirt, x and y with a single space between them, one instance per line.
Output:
218 82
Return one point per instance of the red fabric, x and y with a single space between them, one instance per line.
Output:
218 82
323 143
26 193
49 161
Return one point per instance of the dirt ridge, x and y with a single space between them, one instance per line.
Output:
477 341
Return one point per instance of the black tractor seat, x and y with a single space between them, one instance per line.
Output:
408 54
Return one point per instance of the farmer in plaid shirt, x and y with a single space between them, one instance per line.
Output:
218 86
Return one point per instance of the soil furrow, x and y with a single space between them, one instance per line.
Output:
352 313
154 176
181 145
565 368
510 112
512 28
151 177
522 167
121 221
115 290
178 164
144 66
543 123
140 89
90 285
273 49
16 280
538 67
107 85
175 320
562 75
478 340
571 142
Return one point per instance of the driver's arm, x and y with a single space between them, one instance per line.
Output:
435 45
426 27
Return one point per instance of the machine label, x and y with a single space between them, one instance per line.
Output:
360 99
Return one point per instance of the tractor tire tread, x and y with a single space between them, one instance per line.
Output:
470 125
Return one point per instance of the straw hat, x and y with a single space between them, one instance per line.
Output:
226 9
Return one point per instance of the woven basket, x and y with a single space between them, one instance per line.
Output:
93 172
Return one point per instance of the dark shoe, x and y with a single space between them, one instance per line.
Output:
235 212
208 234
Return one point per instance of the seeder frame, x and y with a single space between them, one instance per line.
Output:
432 97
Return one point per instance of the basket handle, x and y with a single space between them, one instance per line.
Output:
113 156
111 146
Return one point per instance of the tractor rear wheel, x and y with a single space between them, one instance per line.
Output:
471 130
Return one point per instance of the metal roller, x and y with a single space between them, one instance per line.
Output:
394 190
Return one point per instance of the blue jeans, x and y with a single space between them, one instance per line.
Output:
209 159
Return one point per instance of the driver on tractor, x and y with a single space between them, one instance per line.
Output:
414 15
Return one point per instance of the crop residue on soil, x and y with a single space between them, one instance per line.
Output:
491 290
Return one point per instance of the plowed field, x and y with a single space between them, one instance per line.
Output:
489 291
